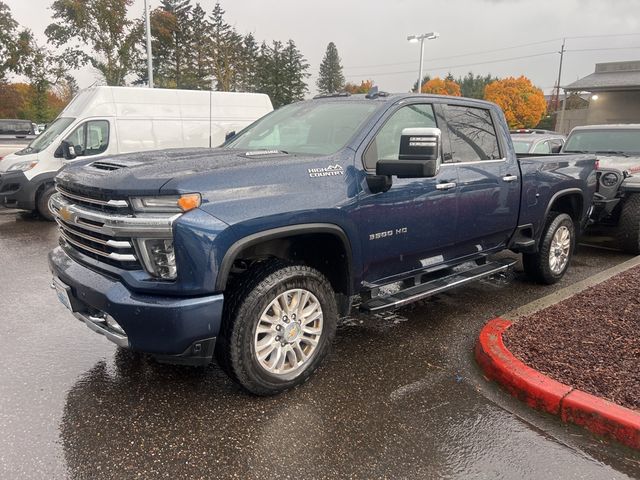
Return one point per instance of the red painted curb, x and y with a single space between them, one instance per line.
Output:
543 393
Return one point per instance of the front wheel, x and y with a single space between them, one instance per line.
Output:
279 323
42 202
554 254
629 225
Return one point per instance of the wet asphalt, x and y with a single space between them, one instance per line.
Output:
399 397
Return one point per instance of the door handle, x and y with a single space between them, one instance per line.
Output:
446 186
510 178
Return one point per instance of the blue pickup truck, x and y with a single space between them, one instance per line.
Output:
249 253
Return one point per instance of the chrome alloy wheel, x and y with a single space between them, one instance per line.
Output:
288 332
559 251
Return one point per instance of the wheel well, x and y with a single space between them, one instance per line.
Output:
326 252
571 204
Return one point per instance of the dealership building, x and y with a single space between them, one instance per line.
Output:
614 90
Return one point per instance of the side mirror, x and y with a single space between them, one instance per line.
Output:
419 155
229 135
68 150
556 148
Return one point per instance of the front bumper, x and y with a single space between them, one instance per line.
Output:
174 329
16 191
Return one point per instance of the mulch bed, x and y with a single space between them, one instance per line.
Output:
590 341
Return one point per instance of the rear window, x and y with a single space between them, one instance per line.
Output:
604 141
521 147
472 134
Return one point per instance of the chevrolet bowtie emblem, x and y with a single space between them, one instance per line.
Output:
66 214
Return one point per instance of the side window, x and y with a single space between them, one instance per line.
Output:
97 137
542 147
556 144
386 144
472 134
90 138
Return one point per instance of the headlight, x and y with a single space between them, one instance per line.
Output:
609 179
167 203
158 257
22 166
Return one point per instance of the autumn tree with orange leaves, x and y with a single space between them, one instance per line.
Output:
522 102
364 87
439 86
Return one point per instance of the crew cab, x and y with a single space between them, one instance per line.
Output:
250 252
617 200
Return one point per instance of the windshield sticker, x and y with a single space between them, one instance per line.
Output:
330 171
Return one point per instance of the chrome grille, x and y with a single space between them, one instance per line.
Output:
103 229
112 206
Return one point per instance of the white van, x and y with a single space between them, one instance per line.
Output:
103 121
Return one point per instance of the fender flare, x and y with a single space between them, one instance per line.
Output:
282 232
556 196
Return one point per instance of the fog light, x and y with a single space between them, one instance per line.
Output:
113 325
158 257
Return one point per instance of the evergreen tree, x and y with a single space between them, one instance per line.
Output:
178 49
473 86
199 71
331 79
296 70
223 50
248 65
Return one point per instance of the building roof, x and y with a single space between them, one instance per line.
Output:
610 76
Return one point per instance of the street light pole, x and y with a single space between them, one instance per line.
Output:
148 32
422 38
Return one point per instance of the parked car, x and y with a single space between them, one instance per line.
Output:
537 141
16 128
252 251
102 121
617 201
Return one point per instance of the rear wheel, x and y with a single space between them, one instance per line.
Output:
279 323
554 254
42 203
629 225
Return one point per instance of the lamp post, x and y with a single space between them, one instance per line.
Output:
147 25
422 38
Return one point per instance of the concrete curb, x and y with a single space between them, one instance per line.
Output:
543 393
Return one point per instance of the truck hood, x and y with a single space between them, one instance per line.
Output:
233 183
620 162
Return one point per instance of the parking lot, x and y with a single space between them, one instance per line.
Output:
399 397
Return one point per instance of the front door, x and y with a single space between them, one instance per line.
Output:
412 226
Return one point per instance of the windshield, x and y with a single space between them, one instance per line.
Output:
48 136
522 147
310 127
604 141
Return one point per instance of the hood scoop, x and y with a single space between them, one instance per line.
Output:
111 165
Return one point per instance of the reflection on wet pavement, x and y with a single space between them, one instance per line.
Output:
399 397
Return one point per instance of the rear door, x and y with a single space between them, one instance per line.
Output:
411 226
488 179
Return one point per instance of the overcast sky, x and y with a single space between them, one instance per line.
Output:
501 37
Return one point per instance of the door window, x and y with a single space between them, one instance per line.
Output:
90 138
472 134
386 144
542 147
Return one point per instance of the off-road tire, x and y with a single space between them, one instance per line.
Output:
249 295
629 225
42 202
536 265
